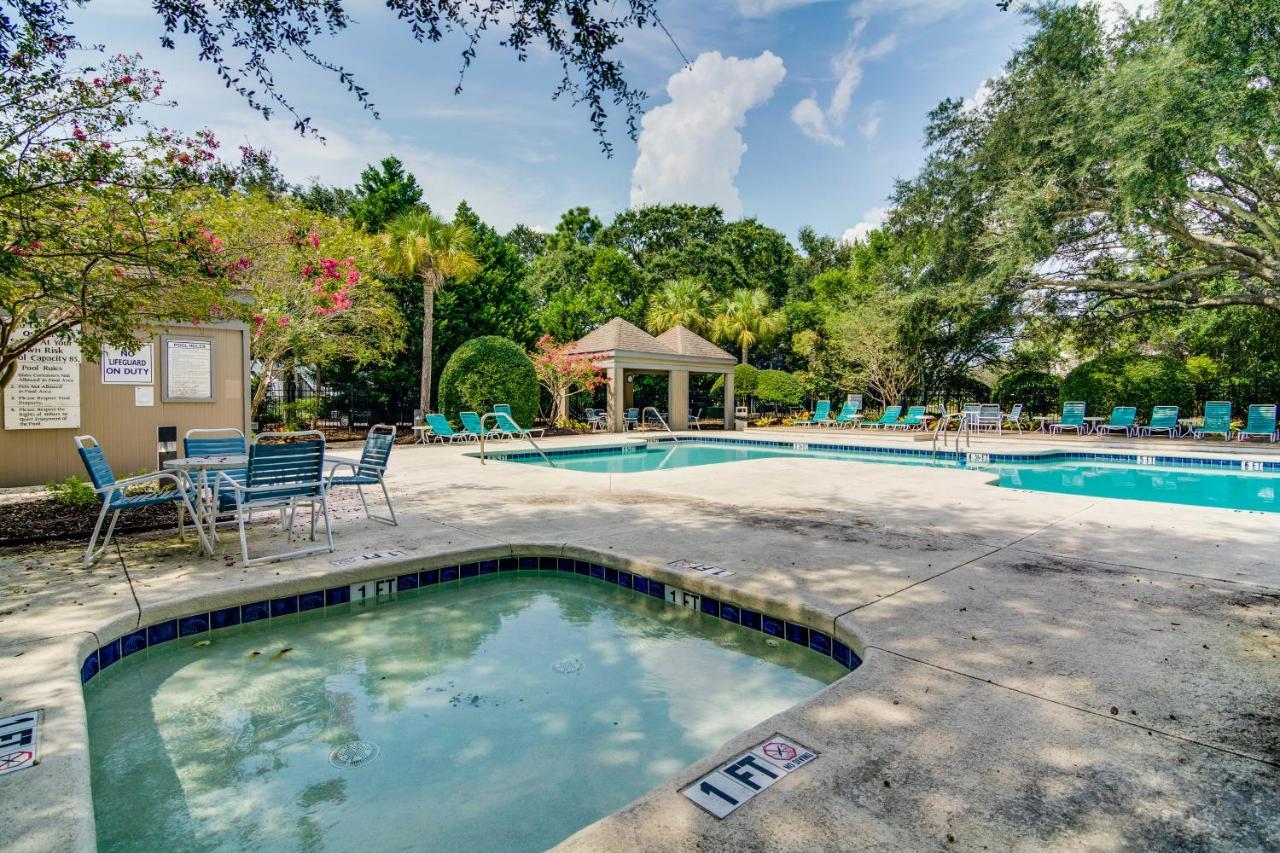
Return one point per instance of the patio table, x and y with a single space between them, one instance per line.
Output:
207 497
1093 421
1043 422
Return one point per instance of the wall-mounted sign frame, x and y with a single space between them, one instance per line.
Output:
188 369
128 367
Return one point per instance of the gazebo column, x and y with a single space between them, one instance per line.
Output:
678 399
614 398
729 422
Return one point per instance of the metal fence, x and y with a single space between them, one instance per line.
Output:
330 409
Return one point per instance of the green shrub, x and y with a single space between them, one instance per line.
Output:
74 492
301 414
1144 381
745 378
1259 383
779 388
486 371
1036 390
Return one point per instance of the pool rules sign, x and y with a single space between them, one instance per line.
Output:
19 743
725 789
45 391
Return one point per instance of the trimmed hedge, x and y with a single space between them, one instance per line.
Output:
1036 390
486 371
1259 383
779 388
1144 381
745 378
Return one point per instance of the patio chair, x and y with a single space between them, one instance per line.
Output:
821 415
631 419
1014 418
1261 423
849 413
1163 419
508 425
473 425
1217 420
369 470
114 496
990 417
280 476
1072 418
695 420
887 419
597 418
914 419
440 429
228 441
1121 421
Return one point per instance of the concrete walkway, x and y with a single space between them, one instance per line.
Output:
1040 669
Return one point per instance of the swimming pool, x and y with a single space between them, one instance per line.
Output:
502 713
1225 483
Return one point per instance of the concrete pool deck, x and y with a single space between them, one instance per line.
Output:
1039 669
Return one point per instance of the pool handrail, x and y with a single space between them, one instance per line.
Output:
527 436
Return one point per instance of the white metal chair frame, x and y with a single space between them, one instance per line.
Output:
246 503
368 469
120 489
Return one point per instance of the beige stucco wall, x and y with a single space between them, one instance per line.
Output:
128 432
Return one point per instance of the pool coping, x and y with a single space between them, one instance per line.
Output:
64 780
1206 459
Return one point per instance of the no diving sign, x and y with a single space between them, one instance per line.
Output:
723 790
19 741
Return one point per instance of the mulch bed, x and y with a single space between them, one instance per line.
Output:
47 520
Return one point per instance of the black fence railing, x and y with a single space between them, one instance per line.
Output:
333 410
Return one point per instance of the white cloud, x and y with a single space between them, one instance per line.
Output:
690 148
871 220
871 117
979 97
823 125
765 8
1114 12
916 11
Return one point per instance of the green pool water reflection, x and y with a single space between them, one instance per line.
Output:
507 713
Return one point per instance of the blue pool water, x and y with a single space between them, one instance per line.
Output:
1164 481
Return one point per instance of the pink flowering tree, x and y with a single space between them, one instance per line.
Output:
303 286
97 237
565 374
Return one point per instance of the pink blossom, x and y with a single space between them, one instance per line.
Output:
315 240
283 321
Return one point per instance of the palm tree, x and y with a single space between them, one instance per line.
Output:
681 302
745 319
423 245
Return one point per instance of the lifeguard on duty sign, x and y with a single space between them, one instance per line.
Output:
19 742
723 790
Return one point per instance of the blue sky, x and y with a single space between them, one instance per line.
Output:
798 112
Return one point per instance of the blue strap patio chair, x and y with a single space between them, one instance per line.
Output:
850 413
915 418
1072 418
631 418
695 420
280 476
472 425
820 417
887 418
369 471
1217 420
115 496
1163 419
227 441
1261 423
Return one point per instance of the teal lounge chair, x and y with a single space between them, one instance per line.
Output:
850 413
913 420
440 429
508 425
1121 421
1072 418
1261 423
1163 419
821 415
471 425
1217 420
889 418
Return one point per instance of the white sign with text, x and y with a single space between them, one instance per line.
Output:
128 367
45 391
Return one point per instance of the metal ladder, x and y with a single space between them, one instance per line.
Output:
484 419
661 420
964 428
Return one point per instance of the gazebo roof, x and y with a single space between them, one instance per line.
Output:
618 335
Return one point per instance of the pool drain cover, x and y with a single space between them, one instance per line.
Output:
355 754
569 666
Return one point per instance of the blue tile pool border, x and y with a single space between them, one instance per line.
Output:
195 625
1144 459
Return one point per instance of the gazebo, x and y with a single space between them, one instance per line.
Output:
624 350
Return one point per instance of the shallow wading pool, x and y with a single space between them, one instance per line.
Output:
1228 483
502 713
